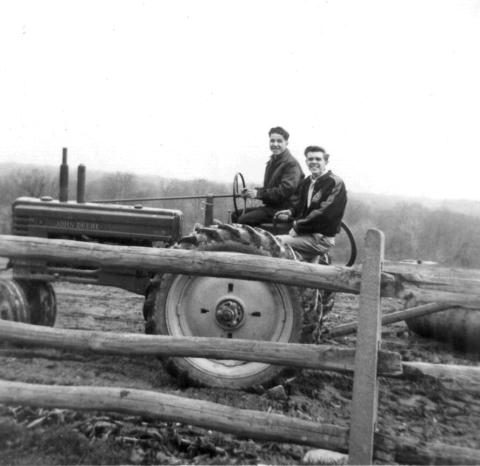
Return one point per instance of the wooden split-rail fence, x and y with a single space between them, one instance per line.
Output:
375 279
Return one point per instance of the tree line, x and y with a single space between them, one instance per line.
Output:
412 231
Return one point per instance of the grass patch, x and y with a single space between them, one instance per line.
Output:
55 445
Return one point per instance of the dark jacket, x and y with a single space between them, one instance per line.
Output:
282 177
326 209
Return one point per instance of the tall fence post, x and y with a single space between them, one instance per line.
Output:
209 200
365 384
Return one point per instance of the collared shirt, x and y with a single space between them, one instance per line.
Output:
310 192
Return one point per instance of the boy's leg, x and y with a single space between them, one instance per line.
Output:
257 216
308 246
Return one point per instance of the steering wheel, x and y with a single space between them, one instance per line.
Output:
353 245
238 185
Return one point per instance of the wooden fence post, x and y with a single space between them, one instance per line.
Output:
365 384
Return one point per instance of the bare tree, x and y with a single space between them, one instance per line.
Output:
119 185
33 182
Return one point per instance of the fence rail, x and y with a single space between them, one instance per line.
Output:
321 357
415 282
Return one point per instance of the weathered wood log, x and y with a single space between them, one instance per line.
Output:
285 354
401 281
179 261
436 277
425 309
435 283
463 374
245 423
408 451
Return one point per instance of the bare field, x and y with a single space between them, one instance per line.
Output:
423 408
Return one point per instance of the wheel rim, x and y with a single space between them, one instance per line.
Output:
41 300
216 307
13 302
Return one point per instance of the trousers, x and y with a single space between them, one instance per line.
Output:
255 216
310 245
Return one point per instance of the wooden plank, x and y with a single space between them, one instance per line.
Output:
466 378
398 280
410 451
320 357
365 384
414 282
425 309
179 261
436 283
246 423
436 277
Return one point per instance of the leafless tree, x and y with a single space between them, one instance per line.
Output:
33 182
119 185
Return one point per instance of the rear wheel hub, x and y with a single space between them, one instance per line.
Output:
229 314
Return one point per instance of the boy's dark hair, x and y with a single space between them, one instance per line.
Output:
317 149
279 130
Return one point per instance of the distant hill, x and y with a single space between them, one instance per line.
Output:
444 231
462 206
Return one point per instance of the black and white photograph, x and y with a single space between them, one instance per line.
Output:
239 232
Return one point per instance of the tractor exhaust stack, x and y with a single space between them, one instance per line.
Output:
81 176
63 194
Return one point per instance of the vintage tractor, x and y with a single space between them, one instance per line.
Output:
177 305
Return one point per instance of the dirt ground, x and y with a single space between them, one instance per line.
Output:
421 408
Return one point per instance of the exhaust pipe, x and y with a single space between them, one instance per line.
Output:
81 176
63 194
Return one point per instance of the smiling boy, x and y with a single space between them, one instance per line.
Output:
318 213
282 176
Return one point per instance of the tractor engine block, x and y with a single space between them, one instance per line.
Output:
94 222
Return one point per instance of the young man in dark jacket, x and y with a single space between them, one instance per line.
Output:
282 177
319 209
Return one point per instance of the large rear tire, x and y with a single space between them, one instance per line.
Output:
182 305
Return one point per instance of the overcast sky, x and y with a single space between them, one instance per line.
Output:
190 88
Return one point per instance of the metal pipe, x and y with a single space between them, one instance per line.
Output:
208 220
81 176
63 192
164 198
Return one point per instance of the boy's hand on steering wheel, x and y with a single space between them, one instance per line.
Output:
247 193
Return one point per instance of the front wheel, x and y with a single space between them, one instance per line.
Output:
28 301
42 301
